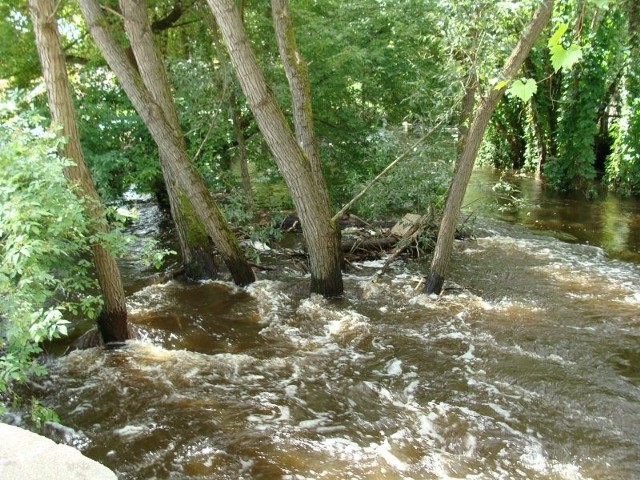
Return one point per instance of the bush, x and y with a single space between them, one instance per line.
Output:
45 274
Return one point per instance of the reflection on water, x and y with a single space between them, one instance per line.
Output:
527 368
608 221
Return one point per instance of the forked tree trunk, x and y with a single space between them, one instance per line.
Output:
170 145
197 252
112 321
464 166
312 202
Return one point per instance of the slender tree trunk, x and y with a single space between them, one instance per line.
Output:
540 139
243 158
197 252
170 145
466 110
312 203
444 244
296 70
234 109
112 321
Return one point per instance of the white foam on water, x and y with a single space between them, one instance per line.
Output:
152 298
468 356
371 263
503 412
384 450
581 266
345 326
131 431
394 367
415 436
507 305
552 357
633 298
281 414
271 300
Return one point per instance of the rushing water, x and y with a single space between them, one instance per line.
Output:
527 367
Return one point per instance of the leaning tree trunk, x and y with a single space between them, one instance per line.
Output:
197 253
170 145
312 202
466 110
464 166
112 321
296 70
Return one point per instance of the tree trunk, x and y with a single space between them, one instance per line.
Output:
170 144
444 244
297 75
466 110
243 158
197 252
112 321
234 109
312 202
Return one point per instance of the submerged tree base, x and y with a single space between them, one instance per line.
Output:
93 338
434 283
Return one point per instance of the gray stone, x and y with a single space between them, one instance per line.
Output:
26 455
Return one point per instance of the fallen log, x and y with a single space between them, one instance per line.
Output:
368 244
412 228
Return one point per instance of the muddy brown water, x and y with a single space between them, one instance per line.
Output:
528 367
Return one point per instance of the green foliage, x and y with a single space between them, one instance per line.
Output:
562 58
504 143
579 82
600 3
19 59
44 242
584 98
371 66
153 255
117 146
523 89
417 184
41 414
623 170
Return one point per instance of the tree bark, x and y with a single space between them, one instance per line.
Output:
296 70
312 202
234 109
197 253
170 144
466 110
444 245
112 320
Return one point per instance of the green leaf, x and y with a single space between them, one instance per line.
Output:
524 89
600 3
565 59
555 38
501 84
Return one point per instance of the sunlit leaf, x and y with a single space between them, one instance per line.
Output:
600 3
565 59
500 85
555 38
524 89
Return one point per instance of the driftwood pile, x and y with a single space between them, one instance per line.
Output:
362 240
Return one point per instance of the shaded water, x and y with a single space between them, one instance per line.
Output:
610 222
528 367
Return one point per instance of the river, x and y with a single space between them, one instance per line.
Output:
527 367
